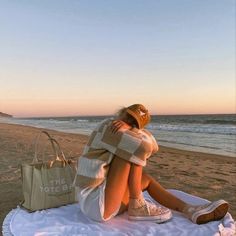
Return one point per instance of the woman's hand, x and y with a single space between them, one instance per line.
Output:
117 125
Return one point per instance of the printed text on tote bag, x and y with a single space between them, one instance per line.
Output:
56 186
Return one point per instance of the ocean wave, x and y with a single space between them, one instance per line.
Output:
208 129
223 122
222 119
82 121
189 144
213 134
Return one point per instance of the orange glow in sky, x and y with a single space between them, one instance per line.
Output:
79 58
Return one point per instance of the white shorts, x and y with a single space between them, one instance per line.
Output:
92 202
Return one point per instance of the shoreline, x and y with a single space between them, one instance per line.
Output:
202 155
205 175
206 154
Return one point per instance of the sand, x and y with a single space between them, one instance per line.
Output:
205 175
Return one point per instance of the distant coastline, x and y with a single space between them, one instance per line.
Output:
5 115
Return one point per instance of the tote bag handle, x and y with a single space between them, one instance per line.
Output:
35 159
58 148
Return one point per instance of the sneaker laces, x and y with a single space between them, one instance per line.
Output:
151 206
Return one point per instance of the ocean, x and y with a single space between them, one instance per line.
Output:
215 134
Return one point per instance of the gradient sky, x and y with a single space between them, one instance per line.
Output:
80 57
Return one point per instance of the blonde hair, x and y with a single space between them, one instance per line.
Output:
121 111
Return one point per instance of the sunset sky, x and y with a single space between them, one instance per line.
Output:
79 57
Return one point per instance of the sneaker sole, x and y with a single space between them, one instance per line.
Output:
216 211
157 219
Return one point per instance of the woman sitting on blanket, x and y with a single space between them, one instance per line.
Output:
111 178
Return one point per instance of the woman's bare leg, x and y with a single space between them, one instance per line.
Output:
157 192
135 181
122 175
164 197
126 180
116 185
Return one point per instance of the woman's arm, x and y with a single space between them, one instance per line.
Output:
127 143
155 145
154 142
119 124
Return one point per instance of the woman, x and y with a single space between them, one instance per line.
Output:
111 177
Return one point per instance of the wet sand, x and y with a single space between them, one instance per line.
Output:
205 175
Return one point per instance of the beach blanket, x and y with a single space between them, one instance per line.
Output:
69 220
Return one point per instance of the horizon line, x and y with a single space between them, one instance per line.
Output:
64 116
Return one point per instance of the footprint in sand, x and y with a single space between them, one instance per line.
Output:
163 165
221 173
216 187
219 180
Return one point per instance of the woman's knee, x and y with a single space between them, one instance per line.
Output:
119 162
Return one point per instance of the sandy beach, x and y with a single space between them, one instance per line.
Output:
208 176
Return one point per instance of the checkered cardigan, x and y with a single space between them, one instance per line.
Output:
134 145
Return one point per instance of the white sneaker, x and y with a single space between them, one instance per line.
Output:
140 209
208 212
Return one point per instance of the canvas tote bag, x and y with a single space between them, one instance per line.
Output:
48 184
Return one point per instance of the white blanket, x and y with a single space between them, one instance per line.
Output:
69 220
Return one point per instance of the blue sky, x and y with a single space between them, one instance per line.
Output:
92 57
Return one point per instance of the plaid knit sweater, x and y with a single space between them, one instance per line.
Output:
134 145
